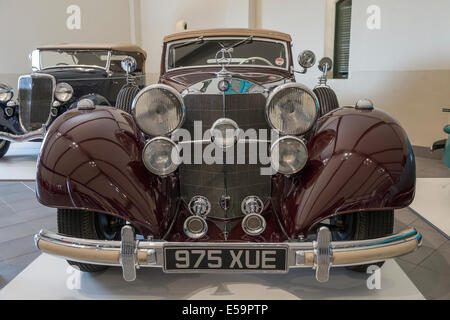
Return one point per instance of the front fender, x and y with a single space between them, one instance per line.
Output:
91 160
359 160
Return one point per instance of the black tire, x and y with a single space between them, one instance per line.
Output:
86 225
363 226
125 97
4 146
327 100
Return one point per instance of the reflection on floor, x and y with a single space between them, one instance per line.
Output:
21 216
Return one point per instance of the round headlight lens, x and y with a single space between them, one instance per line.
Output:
225 132
6 93
161 156
288 155
159 110
63 92
292 109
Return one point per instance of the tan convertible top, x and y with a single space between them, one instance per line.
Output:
95 46
229 32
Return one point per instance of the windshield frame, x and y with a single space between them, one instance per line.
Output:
237 38
40 68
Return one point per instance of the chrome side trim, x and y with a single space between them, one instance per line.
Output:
320 255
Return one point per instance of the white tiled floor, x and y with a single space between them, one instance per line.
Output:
432 201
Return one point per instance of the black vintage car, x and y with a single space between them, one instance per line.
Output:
62 76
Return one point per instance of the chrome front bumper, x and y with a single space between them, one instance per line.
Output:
29 136
320 255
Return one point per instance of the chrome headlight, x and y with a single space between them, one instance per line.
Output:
159 110
292 109
63 92
6 93
161 156
288 155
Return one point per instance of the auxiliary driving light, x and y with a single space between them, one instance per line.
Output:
253 224
195 227
63 92
288 155
252 204
161 156
224 132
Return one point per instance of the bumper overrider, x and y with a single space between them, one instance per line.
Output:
320 255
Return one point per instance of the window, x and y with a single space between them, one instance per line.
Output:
342 38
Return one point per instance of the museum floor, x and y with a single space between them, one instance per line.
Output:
21 216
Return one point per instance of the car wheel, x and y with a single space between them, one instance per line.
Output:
125 97
363 226
4 146
327 100
88 225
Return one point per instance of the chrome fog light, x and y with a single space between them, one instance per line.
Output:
195 227
252 204
253 224
288 155
161 156
224 132
199 206
63 92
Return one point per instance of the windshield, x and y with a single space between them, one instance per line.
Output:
61 58
202 52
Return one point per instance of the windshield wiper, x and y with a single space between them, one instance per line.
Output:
196 40
246 40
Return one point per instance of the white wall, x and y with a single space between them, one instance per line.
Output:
159 17
404 67
26 24
413 36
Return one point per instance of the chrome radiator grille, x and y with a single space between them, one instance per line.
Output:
216 180
35 100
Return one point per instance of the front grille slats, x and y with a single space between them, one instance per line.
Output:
240 180
35 100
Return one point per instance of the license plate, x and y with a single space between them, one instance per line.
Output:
228 259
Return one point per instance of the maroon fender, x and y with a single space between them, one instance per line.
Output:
359 160
91 160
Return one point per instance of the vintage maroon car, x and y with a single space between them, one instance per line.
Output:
227 165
